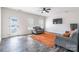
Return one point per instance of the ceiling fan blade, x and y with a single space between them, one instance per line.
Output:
44 9
49 9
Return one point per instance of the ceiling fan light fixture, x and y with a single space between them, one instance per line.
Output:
43 11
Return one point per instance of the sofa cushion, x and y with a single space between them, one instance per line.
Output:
71 45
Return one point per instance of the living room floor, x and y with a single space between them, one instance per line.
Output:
25 44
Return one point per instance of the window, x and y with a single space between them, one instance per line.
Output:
13 24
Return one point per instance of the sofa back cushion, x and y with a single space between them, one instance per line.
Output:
74 36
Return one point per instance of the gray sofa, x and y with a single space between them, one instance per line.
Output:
68 43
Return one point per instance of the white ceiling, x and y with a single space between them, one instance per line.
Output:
54 10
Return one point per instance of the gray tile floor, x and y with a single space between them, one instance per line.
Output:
24 44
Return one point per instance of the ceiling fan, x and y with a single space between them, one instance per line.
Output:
45 10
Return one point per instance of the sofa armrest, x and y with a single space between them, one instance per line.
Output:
62 37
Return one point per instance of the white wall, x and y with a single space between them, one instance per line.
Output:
0 24
22 22
68 18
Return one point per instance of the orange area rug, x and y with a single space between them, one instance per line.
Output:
46 38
